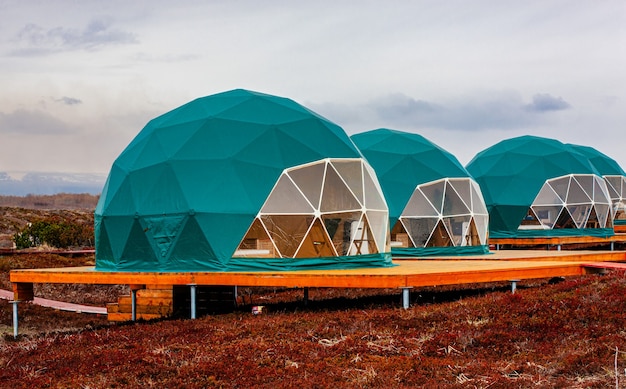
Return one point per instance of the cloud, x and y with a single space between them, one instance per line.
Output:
68 100
544 102
481 111
36 40
22 121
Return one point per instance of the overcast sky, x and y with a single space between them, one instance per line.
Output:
79 79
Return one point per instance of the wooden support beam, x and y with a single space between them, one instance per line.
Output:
23 291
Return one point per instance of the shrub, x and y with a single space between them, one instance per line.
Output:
54 232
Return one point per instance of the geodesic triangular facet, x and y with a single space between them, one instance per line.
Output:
352 174
453 204
419 206
419 229
309 180
316 243
336 196
435 193
286 198
287 231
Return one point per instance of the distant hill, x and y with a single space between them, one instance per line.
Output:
37 183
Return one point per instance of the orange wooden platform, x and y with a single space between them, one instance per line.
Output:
504 265
408 273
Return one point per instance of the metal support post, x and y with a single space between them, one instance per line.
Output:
133 304
612 246
306 296
406 298
192 289
514 286
15 319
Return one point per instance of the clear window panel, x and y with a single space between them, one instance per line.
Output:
463 188
316 244
352 174
335 195
434 193
419 230
560 186
592 221
482 225
379 224
362 239
547 214
338 227
602 212
457 228
564 220
600 193
613 184
547 196
579 213
286 198
256 243
586 182
440 236
478 202
578 195
287 231
472 237
419 206
309 180
372 193
453 204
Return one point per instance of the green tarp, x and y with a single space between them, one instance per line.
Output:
184 192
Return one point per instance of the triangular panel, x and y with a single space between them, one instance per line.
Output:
309 179
420 230
435 193
286 198
316 244
256 243
287 231
372 192
339 227
419 206
453 204
336 197
352 174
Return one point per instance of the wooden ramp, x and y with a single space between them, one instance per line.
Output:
153 290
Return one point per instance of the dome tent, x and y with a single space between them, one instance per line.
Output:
614 177
240 181
537 186
435 207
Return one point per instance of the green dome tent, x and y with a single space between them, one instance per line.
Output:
614 177
435 207
541 187
241 181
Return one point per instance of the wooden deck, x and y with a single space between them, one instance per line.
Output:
151 291
408 273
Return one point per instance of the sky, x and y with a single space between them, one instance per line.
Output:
80 79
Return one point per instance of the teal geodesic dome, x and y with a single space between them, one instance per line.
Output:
614 177
537 186
435 207
241 181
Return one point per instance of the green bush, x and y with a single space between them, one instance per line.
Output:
54 232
